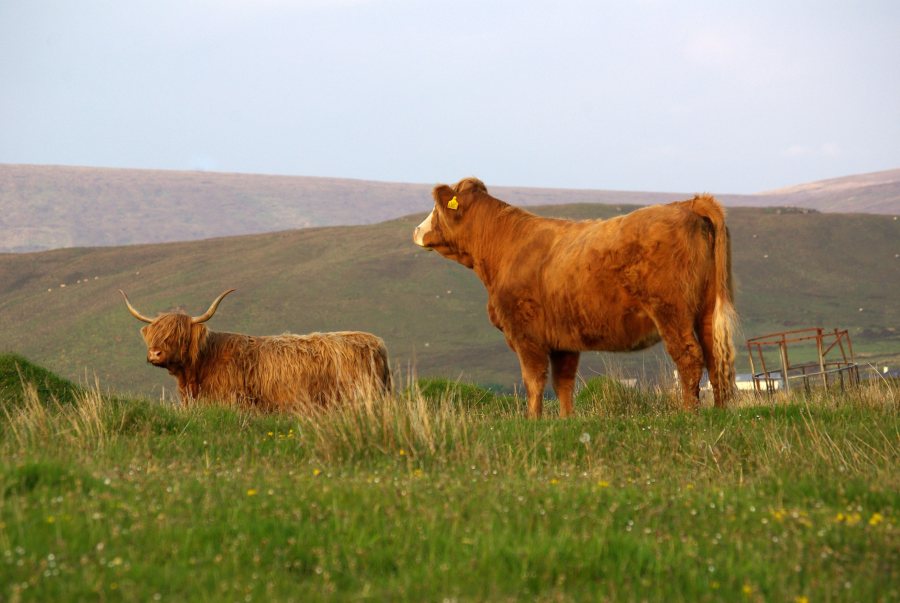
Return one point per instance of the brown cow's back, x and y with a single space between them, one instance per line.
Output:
582 285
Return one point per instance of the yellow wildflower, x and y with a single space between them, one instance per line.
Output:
251 492
603 484
876 519
801 599
317 472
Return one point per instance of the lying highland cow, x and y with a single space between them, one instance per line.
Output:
275 372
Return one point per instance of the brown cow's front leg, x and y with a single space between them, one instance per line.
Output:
564 366
534 373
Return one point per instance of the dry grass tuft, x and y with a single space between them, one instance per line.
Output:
37 422
406 424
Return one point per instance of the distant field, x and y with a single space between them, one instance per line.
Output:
792 270
447 493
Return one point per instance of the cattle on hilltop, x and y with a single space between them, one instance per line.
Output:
269 372
558 287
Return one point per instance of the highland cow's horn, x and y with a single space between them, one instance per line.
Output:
212 309
133 311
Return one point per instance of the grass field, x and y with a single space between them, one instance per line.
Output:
445 492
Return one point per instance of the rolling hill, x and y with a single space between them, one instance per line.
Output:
49 207
61 308
876 193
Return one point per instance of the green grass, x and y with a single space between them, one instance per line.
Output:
446 492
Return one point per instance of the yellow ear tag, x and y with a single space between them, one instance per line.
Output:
453 203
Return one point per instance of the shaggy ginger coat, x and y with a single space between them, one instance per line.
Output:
271 372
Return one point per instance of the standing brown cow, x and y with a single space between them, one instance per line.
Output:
282 371
557 287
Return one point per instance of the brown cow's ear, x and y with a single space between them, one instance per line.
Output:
442 194
447 200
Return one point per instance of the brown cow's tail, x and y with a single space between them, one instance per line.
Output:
724 315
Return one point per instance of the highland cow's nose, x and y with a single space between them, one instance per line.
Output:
154 355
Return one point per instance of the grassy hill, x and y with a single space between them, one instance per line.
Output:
877 193
18 373
61 308
47 207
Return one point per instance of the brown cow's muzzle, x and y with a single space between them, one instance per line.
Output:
418 238
155 357
421 230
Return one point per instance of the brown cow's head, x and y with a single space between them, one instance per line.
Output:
174 339
444 228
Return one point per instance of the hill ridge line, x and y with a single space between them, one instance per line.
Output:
49 207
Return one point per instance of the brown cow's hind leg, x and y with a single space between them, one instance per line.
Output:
705 332
564 366
534 374
682 345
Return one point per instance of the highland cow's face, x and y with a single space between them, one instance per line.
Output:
172 340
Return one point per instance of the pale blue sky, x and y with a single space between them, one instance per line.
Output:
734 97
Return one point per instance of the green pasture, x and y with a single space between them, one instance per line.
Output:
445 492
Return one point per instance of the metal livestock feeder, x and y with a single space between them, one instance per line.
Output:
813 367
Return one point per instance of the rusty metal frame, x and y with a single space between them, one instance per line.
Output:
824 371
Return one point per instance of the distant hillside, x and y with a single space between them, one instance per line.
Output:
61 309
49 207
876 193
